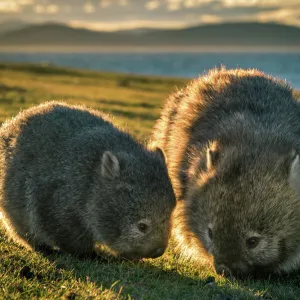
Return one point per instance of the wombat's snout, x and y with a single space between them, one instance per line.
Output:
234 270
223 270
157 253
137 255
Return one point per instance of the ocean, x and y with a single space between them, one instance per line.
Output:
283 65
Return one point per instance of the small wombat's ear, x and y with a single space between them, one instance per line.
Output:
211 158
110 166
212 155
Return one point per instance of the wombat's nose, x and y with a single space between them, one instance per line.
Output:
157 253
223 270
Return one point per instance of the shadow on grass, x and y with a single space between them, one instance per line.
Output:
143 280
167 279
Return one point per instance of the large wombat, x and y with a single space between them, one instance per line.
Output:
70 179
231 140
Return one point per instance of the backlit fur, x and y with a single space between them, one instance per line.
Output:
231 138
71 180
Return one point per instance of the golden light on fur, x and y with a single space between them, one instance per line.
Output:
229 138
186 244
62 184
11 233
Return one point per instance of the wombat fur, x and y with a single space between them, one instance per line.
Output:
73 181
231 140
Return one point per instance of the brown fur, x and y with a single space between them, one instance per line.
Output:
72 180
231 138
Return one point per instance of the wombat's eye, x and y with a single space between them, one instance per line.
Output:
252 242
142 227
210 233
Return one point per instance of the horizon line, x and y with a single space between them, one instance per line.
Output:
151 26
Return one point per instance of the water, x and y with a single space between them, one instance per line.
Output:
283 65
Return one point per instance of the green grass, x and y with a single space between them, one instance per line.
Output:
135 102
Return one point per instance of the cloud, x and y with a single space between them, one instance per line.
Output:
88 7
278 3
125 25
284 15
46 9
39 9
209 19
14 6
233 3
152 5
174 4
9 6
150 13
195 3
25 2
52 9
289 16
123 2
105 3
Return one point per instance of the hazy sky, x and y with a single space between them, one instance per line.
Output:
123 14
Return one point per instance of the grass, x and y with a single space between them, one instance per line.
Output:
135 102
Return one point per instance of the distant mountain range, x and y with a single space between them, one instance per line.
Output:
12 25
227 34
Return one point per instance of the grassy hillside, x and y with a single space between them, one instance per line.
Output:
135 102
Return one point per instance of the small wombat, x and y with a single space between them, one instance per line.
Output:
73 181
231 140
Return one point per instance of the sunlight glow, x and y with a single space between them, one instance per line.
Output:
174 5
47 9
194 3
130 14
233 3
284 15
152 5
210 19
105 3
52 9
25 2
89 8
9 6
123 2
126 25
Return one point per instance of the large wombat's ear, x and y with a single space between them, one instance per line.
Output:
294 175
161 153
110 166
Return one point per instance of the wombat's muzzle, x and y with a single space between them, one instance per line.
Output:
238 272
157 253
229 271
136 256
223 270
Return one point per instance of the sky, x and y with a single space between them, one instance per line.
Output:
127 14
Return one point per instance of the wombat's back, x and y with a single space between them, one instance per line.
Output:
214 103
64 120
39 154
33 148
232 144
